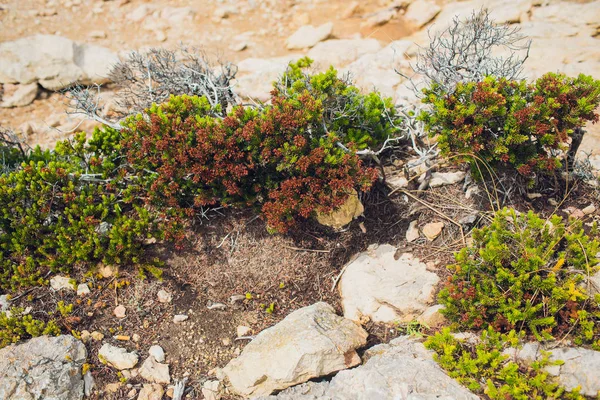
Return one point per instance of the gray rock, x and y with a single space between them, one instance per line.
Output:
43 368
307 36
4 303
402 369
54 62
382 288
310 342
22 96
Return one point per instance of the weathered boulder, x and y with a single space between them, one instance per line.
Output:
53 61
402 369
307 36
310 342
383 288
43 368
154 371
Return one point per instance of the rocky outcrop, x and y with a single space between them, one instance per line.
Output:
579 369
384 288
54 62
310 342
402 369
43 368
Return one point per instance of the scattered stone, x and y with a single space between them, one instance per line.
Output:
398 182
54 62
574 212
131 394
533 196
589 209
26 128
340 52
380 18
155 372
402 369
106 271
432 230
594 284
135 337
164 296
237 298
119 311
216 306
97 336
22 96
243 331
351 9
97 34
61 282
112 387
239 46
432 317
139 13
210 390
85 336
83 289
342 216
117 357
226 342
160 35
308 36
445 178
412 233
180 318
310 342
471 191
157 352
43 368
255 75
380 287
151 391
420 12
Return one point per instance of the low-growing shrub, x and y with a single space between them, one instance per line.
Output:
486 370
526 273
16 325
68 208
291 159
512 125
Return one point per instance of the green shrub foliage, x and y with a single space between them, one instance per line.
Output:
485 370
512 125
291 158
68 208
526 273
16 325
98 200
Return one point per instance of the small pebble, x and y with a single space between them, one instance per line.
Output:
180 318
119 311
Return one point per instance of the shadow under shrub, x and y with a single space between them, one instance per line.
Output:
526 273
509 124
